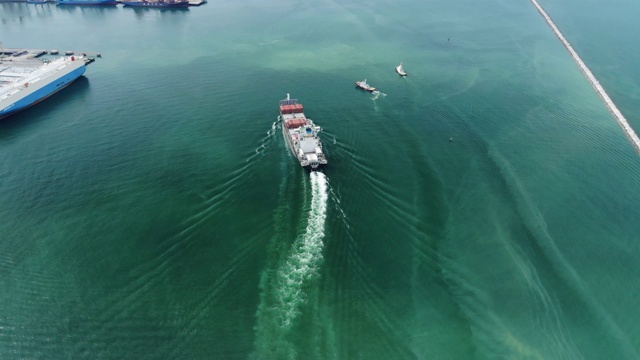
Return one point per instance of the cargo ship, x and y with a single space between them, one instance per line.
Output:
157 3
27 81
87 2
301 134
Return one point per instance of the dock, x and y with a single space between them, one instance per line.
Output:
22 54
191 2
631 134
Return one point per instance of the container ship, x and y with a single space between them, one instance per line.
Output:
157 3
27 81
301 134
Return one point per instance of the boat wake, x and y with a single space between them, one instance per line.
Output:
376 95
284 287
263 143
270 42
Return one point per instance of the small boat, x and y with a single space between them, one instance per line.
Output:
364 86
53 52
400 70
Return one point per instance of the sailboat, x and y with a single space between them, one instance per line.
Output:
400 70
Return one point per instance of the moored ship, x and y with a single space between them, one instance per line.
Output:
301 134
157 3
87 2
26 82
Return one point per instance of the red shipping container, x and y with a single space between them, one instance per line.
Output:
291 109
295 123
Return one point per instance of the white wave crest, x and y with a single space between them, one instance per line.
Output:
263 142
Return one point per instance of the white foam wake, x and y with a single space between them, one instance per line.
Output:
288 284
376 95
306 253
594 82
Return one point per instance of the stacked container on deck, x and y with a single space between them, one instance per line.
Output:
291 109
295 123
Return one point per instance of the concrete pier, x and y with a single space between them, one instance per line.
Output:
20 53
594 82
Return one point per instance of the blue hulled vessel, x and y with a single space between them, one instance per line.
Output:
157 3
26 82
87 2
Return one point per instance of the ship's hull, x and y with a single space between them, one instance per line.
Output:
39 91
288 141
152 4
369 89
88 3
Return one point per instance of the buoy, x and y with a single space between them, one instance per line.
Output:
450 139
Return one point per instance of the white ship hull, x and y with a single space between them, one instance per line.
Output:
26 83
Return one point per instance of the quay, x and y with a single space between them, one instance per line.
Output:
23 54
594 82
191 2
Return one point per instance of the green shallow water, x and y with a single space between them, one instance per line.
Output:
152 210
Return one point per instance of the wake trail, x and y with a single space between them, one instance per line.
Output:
285 292
592 79
263 142
376 95
306 253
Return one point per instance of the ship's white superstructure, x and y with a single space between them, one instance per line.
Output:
25 82
301 134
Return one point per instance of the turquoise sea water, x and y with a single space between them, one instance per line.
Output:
152 210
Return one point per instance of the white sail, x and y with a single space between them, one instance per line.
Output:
400 70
